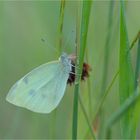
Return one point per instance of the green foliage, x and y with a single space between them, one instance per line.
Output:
108 101
126 77
80 59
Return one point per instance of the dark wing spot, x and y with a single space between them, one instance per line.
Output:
32 92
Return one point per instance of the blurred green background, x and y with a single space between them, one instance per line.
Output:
22 26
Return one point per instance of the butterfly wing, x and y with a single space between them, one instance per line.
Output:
40 90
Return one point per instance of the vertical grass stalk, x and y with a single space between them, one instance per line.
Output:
86 117
106 62
89 91
131 100
60 26
107 46
126 77
137 69
136 112
79 63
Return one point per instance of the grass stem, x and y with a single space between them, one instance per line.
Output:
79 63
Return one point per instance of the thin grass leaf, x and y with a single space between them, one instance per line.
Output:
79 63
89 91
137 69
105 95
136 114
76 90
129 103
99 106
60 25
107 47
126 77
135 40
106 62
137 72
86 117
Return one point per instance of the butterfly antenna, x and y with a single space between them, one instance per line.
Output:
50 45
69 37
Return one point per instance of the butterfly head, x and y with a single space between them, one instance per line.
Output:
66 61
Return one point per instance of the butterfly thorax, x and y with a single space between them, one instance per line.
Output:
66 61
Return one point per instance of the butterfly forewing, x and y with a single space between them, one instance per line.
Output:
40 90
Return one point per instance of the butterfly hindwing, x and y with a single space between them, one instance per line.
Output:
49 95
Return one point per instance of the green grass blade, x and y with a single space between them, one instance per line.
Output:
135 40
80 58
60 26
86 117
107 47
126 79
129 103
89 91
136 115
120 111
137 70
105 68
105 95
75 112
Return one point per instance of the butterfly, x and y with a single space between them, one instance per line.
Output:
42 89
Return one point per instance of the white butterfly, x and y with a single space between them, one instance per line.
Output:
42 89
